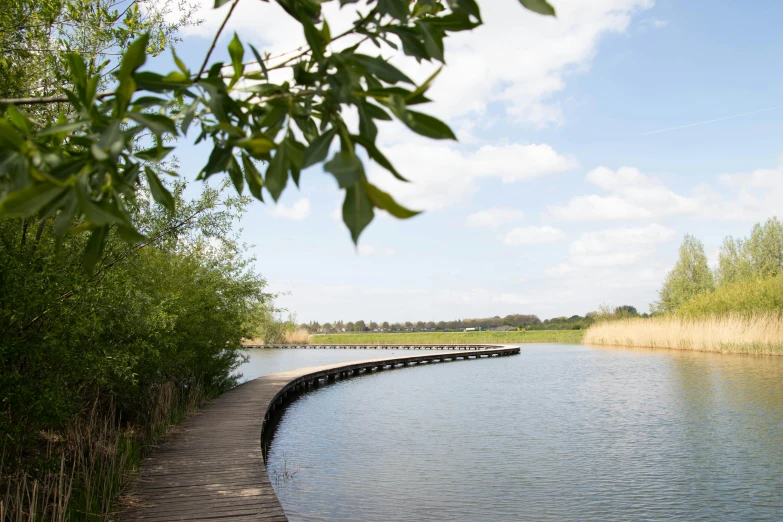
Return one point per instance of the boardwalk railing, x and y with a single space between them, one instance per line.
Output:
212 468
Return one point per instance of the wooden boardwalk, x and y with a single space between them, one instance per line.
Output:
212 468
375 346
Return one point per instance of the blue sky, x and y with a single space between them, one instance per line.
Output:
560 196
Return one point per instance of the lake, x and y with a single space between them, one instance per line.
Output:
559 432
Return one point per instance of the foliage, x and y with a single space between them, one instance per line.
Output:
86 168
567 336
759 256
745 297
691 276
170 312
266 324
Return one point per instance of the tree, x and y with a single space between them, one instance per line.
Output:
359 326
349 327
691 276
385 326
759 256
620 311
84 169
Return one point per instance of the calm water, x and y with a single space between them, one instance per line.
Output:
560 432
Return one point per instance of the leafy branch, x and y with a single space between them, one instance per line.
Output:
85 168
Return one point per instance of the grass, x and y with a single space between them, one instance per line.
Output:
734 333
91 461
534 336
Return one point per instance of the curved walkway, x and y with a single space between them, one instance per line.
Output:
212 468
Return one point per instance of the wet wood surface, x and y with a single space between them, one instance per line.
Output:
212 467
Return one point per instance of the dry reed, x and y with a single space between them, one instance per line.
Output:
92 461
300 336
734 333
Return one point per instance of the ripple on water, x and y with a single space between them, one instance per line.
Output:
558 432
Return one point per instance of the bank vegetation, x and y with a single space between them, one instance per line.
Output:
735 308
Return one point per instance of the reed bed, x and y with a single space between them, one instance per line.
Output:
83 470
300 336
760 334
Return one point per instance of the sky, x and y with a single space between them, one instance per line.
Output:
589 145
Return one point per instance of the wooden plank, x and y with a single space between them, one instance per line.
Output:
212 466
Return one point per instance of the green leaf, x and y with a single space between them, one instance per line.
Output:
9 136
314 38
130 235
253 177
190 113
468 6
28 201
379 67
384 201
277 174
357 210
428 126
94 248
217 162
98 213
378 157
133 58
294 152
260 62
376 112
19 119
220 3
180 64
433 41
539 6
157 123
395 8
154 153
424 87
345 167
257 144
235 173
237 52
62 128
78 70
367 127
159 192
317 151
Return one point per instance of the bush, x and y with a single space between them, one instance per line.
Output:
154 329
746 297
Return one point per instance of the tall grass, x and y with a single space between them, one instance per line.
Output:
731 333
86 466
300 336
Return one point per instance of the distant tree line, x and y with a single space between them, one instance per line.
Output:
514 321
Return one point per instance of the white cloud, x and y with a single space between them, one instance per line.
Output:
633 196
752 196
533 236
559 270
609 241
521 59
494 217
611 248
299 211
375 251
442 175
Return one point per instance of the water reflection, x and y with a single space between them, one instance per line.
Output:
559 432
